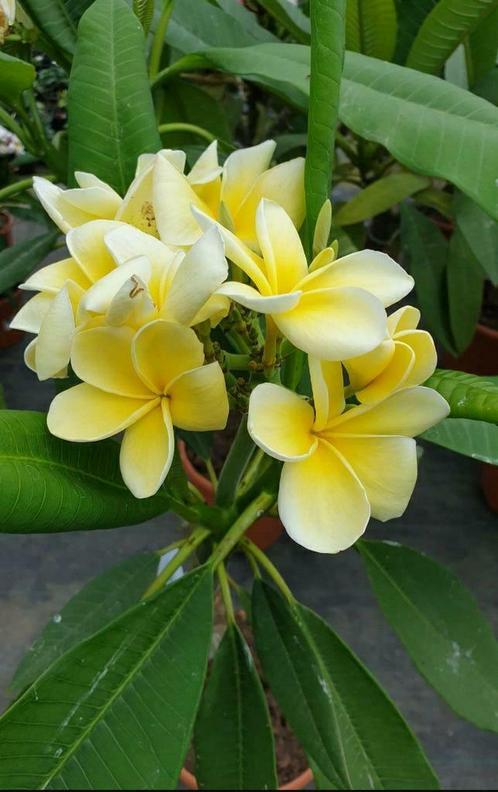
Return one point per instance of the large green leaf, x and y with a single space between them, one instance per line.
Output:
465 290
345 722
92 608
183 101
116 711
444 28
111 115
196 25
380 196
371 27
290 17
49 485
487 86
482 47
234 466
441 626
469 396
328 25
480 232
410 14
233 740
57 19
476 439
247 18
19 261
16 76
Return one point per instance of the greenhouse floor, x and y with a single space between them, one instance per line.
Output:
447 519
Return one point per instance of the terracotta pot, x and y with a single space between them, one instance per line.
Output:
300 782
480 357
9 306
263 533
489 484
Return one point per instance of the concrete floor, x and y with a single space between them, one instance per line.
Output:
447 519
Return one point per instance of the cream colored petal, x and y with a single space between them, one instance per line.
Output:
323 225
95 201
370 270
283 184
425 361
335 324
252 299
321 502
387 468
84 179
176 157
99 297
322 259
51 197
207 168
198 399
137 208
147 452
53 277
84 413
281 247
407 413
365 368
240 172
173 198
53 348
102 357
200 273
132 305
215 309
327 385
162 351
127 242
86 245
280 422
30 360
30 316
405 318
395 375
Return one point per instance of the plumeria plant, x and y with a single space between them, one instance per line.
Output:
211 293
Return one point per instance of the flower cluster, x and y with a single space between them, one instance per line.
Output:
147 277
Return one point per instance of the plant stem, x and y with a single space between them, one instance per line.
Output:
270 350
19 186
163 550
180 126
232 360
187 63
211 472
225 593
251 473
189 546
158 40
263 560
250 514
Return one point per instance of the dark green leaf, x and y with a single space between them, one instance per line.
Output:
480 232
54 19
116 711
380 196
111 115
371 27
195 26
465 290
49 485
290 17
19 261
410 14
92 608
248 19
483 46
235 464
16 76
469 396
183 101
441 626
233 740
476 439
487 86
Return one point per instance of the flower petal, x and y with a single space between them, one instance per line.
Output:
84 413
147 452
102 357
64 214
127 242
321 502
424 349
395 375
240 172
132 305
161 351
281 247
215 309
280 422
371 270
53 348
32 313
335 324
99 297
252 299
387 468
365 368
407 412
137 208
30 360
53 277
95 200
86 245
405 318
206 168
198 399
173 198
327 385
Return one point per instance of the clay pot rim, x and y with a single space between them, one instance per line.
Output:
189 780
490 332
198 480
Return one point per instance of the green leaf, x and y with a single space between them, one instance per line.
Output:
380 196
111 115
54 19
469 396
426 250
248 19
92 608
16 76
482 47
476 439
371 27
116 711
443 29
480 232
465 290
19 261
235 464
144 10
290 17
49 485
233 740
183 101
345 722
487 86
195 26
410 15
441 627
328 20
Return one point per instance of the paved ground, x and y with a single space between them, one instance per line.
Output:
447 519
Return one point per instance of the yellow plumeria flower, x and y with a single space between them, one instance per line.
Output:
117 274
407 357
335 309
142 383
229 194
340 466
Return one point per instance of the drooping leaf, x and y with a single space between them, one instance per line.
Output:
56 23
476 439
19 261
247 18
440 625
16 76
482 46
410 14
380 196
371 27
465 290
443 29
480 232
111 115
469 396
332 703
233 740
116 711
290 17
49 485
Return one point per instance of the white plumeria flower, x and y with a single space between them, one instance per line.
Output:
7 15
